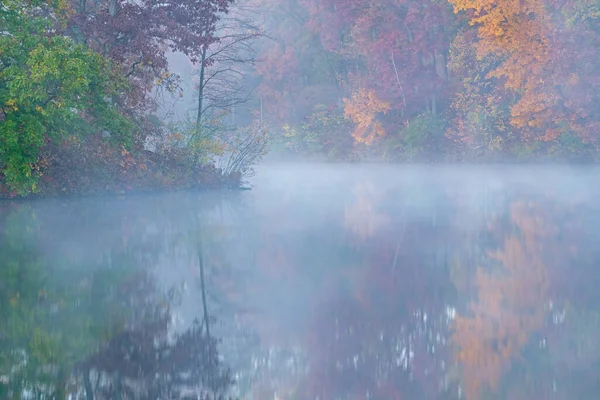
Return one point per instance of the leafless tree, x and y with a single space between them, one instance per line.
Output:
224 64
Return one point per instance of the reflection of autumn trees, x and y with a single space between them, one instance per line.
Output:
83 317
362 218
380 350
380 332
510 305
380 276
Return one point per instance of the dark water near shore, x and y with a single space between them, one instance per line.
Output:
324 281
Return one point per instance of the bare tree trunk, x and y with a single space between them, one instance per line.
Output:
203 289
61 386
433 96
444 66
332 70
118 386
112 7
201 88
399 83
89 391
82 6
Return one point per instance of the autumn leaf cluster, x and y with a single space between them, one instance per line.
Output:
503 78
82 69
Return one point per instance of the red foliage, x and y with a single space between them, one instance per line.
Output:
403 44
136 36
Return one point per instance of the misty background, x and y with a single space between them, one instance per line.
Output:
339 281
299 199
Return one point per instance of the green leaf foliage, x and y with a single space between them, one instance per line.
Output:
50 88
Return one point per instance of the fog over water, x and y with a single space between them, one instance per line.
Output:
335 281
299 200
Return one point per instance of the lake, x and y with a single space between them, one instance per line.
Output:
325 281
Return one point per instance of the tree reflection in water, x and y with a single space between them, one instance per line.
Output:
385 286
91 322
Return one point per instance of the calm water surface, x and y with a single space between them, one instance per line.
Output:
323 282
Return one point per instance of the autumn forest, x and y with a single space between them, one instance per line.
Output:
299 199
324 282
435 80
92 87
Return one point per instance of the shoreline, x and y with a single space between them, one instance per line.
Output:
220 183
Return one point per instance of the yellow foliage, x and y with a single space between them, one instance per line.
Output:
518 31
362 109
11 105
14 299
362 218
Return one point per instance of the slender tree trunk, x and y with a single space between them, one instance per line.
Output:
203 289
444 66
112 7
87 384
433 96
399 83
201 88
332 70
61 386
118 386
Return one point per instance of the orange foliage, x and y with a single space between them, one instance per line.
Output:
519 31
362 109
510 304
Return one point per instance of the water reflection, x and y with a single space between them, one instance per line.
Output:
83 313
324 282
